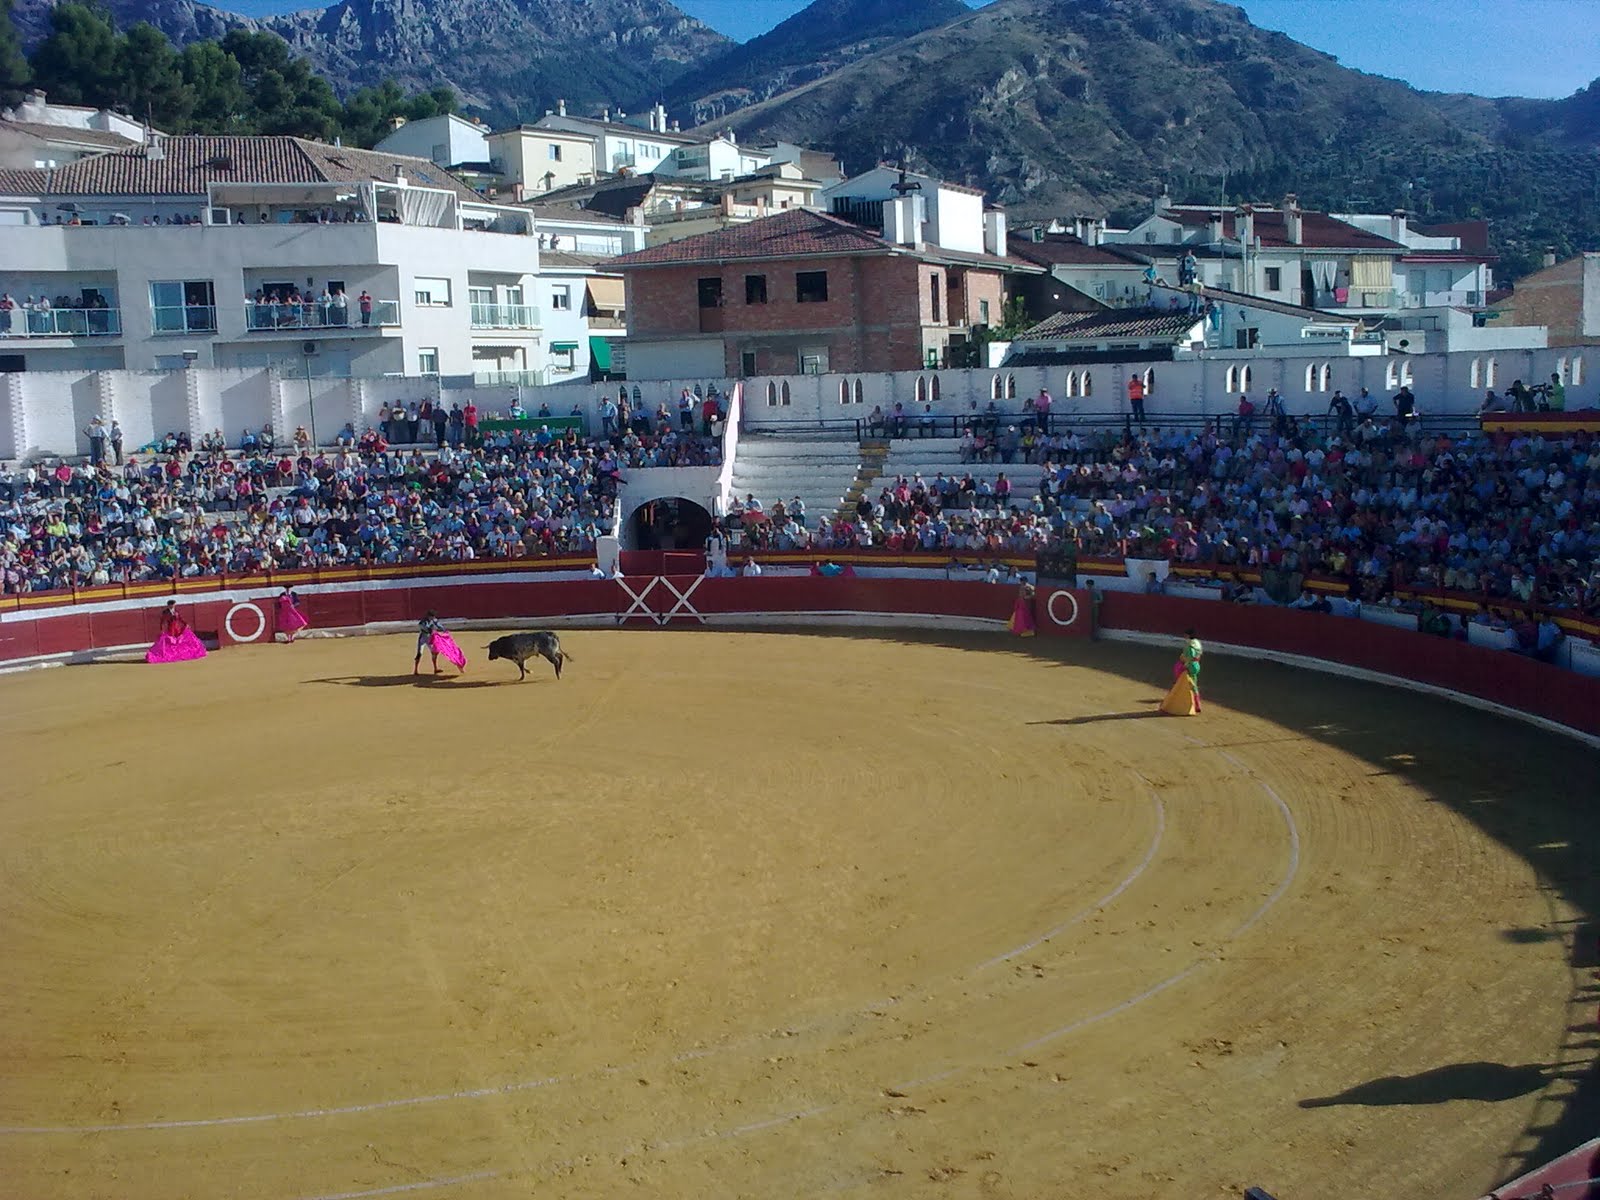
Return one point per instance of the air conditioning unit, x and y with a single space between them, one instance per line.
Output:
308 348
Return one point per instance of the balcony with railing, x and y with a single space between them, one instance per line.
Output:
1454 298
505 316
298 318
500 379
183 318
61 322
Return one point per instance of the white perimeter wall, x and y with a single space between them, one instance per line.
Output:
45 412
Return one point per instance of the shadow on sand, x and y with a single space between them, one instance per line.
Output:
1460 1081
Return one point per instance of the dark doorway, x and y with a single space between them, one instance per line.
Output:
671 523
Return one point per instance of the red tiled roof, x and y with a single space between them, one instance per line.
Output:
1318 231
1066 249
190 163
797 233
1474 235
23 181
1104 323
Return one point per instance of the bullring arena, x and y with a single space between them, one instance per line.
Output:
734 911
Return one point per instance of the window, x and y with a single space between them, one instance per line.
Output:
860 393
1244 379
936 299
1491 372
428 360
561 297
183 306
983 312
1475 374
755 289
1088 385
1561 369
844 391
432 293
814 360
1391 377
922 390
1327 375
555 152
480 296
563 356
811 287
1149 381
1246 339
747 363
1406 379
1311 377
1230 381
784 393
1011 387
772 393
1577 370
1274 279
994 387
709 290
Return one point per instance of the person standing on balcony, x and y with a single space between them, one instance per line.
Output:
7 307
364 302
341 308
116 441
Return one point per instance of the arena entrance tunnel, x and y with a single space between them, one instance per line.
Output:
667 523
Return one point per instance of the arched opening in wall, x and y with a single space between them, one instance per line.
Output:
698 394
1327 376
994 387
922 389
783 394
772 394
1475 374
667 523
1311 377
1149 381
933 390
1406 378
1071 388
1244 379
1491 372
1391 375
1088 384
1561 368
1577 370
1230 381
638 396
1011 387
844 391
861 394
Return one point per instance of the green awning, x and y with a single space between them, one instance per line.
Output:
564 347
600 351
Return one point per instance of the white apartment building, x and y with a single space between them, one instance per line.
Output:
949 215
38 134
719 158
185 252
620 145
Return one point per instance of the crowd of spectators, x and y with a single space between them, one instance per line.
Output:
1513 521
174 512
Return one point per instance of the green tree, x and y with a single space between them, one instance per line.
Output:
152 85
218 103
78 62
369 114
14 71
288 97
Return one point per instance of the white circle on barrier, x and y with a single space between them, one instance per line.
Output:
1050 607
245 606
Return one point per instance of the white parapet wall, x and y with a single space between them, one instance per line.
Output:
46 412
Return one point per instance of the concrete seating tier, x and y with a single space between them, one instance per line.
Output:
814 467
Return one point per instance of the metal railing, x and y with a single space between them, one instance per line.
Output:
505 316
183 318
269 318
62 322
491 379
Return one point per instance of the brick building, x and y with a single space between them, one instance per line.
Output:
802 292
1564 296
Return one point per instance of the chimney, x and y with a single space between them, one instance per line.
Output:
1092 228
652 120
661 118
1293 225
1217 227
400 175
1163 202
561 108
606 116
726 204
1549 256
517 193
396 122
675 128
154 151
1245 225
1037 233
733 138
1397 226
902 221
994 232
634 216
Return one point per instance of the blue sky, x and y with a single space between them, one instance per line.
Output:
1491 47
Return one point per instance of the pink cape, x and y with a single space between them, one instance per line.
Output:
175 649
290 618
444 644
1021 622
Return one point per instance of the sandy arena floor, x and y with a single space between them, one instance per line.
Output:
780 916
